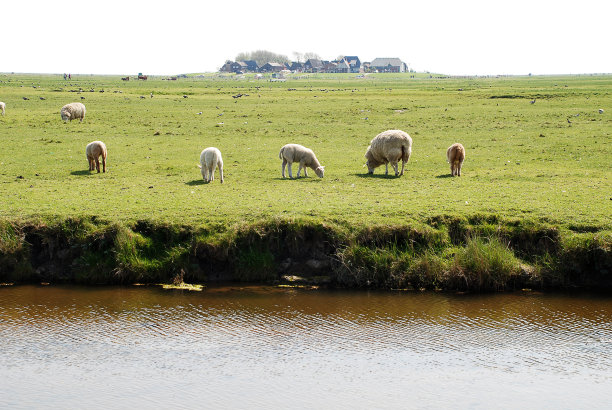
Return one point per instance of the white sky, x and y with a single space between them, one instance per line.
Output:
173 37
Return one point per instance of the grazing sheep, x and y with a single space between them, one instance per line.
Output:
73 111
210 158
93 151
389 147
455 154
291 153
601 111
2 107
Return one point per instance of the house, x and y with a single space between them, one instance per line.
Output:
272 68
227 67
251 65
388 65
354 63
295 66
239 67
342 66
313 65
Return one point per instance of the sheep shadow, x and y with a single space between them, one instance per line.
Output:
81 172
377 176
301 179
444 176
196 182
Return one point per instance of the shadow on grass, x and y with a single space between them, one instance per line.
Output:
377 176
444 176
196 182
302 179
82 172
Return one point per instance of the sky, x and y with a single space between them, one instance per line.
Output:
470 37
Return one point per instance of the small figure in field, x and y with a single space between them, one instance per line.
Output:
94 151
389 147
2 107
73 111
210 159
291 153
455 155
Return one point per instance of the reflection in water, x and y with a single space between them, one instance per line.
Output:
258 347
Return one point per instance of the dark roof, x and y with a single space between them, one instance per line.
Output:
314 63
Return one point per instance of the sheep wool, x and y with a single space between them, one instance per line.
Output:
291 153
94 151
210 159
389 146
73 111
2 107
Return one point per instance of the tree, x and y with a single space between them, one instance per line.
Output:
262 57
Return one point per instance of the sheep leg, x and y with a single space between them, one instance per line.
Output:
212 173
221 172
403 163
459 170
452 169
103 164
289 167
387 168
283 167
394 165
98 164
304 166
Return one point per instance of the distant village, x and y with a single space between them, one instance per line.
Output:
348 64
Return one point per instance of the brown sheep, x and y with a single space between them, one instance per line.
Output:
93 151
455 155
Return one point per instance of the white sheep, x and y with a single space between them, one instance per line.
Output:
93 151
210 158
389 147
73 111
2 107
601 111
291 153
455 155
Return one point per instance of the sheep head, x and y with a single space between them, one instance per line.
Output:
65 116
319 171
371 162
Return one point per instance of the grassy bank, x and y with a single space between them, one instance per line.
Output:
481 253
532 207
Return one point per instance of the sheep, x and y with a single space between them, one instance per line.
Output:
93 151
455 155
389 147
210 158
2 107
73 111
291 153
601 111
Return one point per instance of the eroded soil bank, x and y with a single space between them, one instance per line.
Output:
479 253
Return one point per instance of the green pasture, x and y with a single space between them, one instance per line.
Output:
550 160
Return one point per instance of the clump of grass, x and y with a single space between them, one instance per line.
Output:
483 265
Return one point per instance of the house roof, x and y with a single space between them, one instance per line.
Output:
313 62
385 62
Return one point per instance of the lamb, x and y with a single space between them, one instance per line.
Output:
455 154
73 111
93 152
389 147
2 107
210 158
291 153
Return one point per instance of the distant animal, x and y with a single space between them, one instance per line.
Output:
25 98
151 95
125 78
532 101
73 111
455 155
291 153
601 111
94 151
2 107
142 77
210 159
389 146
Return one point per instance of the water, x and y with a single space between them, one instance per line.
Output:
263 348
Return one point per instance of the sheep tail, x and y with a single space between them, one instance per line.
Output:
280 154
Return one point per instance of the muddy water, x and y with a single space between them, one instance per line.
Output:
263 348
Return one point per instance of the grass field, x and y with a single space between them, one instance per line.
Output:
536 184
523 160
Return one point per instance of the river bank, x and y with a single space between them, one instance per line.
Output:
480 253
